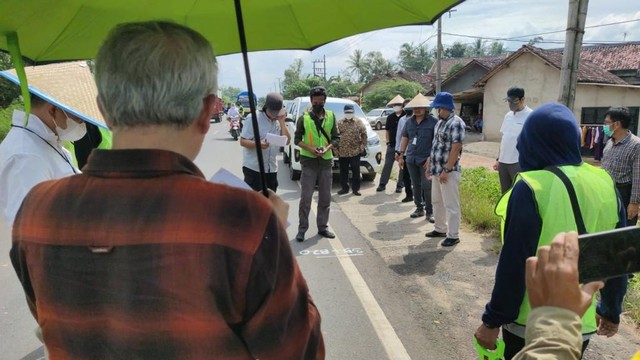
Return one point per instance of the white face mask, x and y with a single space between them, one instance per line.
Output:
73 132
397 108
348 116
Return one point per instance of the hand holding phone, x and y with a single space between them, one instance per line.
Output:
609 254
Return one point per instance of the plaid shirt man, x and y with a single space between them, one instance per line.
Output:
447 132
184 269
622 161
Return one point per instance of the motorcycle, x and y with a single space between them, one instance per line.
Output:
234 127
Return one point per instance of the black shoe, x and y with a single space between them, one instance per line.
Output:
417 214
343 191
449 242
430 218
381 188
327 234
435 234
398 190
300 236
356 193
408 199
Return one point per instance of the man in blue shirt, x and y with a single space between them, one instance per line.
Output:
270 120
417 137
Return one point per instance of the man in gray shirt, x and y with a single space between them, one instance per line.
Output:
270 120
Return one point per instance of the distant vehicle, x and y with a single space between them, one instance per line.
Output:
243 99
369 164
218 114
377 118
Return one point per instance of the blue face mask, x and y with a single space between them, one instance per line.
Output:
607 130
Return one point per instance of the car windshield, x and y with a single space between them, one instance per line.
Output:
375 112
338 111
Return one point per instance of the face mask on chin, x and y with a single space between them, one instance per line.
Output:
73 131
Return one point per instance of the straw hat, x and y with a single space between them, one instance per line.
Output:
419 101
68 85
396 100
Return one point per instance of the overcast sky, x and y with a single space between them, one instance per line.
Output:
503 19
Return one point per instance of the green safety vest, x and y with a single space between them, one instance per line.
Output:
104 144
315 138
598 201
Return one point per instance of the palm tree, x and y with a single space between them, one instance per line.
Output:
356 63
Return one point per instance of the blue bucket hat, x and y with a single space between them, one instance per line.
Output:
443 100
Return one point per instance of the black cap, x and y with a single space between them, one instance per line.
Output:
515 93
348 108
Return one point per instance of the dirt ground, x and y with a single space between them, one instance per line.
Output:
449 287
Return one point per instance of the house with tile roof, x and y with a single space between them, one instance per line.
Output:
412 76
538 72
622 60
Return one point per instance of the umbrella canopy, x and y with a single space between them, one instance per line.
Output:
54 30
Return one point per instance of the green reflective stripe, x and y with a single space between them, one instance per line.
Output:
69 146
16 56
598 202
317 138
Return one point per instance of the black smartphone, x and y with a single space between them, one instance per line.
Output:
608 254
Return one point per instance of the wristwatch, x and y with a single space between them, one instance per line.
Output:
447 170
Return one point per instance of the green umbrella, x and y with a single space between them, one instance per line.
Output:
58 30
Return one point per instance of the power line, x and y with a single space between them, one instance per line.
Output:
586 27
526 41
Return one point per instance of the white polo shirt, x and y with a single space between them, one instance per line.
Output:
511 128
29 156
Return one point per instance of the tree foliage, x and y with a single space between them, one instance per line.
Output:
384 91
415 58
457 50
229 94
476 49
9 92
496 48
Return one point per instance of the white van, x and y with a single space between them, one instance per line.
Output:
368 165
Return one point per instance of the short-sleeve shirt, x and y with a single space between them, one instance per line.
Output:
420 139
511 128
250 158
447 131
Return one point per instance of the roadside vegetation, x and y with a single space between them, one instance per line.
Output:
479 193
5 118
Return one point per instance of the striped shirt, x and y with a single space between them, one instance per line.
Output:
622 161
140 257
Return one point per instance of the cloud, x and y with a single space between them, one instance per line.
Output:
486 18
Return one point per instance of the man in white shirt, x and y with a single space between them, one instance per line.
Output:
507 162
32 153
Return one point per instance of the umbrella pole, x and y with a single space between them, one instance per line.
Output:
252 102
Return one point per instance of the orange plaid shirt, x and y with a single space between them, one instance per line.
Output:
141 257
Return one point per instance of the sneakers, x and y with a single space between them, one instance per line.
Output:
381 188
300 236
435 234
326 233
418 213
398 190
356 193
343 191
430 218
449 241
407 199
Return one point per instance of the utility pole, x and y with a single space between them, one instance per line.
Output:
321 69
439 56
571 57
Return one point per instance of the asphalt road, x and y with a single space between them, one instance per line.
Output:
363 316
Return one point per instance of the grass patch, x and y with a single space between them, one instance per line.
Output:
631 305
479 193
5 118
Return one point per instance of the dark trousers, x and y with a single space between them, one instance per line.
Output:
406 179
353 163
507 173
625 195
514 343
252 178
421 188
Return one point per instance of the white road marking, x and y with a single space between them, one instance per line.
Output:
388 338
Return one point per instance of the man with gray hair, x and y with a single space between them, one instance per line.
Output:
140 256
270 121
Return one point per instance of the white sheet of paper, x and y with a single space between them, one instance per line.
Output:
224 176
277 140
